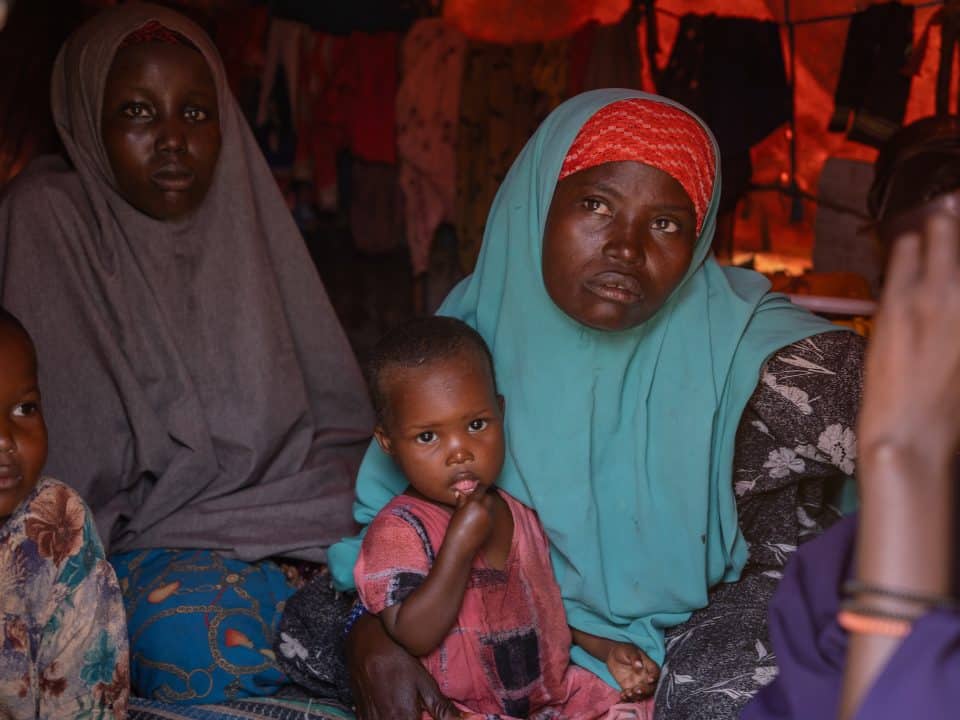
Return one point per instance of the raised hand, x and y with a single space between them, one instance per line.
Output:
472 522
908 434
912 388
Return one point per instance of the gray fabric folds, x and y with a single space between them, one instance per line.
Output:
198 388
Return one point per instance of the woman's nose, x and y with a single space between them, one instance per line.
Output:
171 138
626 243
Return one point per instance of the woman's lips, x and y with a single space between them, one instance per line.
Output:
173 179
616 287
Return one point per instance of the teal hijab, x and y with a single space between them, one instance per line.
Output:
621 441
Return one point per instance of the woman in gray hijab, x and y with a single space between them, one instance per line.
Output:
200 393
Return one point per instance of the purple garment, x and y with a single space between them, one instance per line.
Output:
922 679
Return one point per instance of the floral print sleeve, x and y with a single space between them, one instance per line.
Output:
796 445
795 450
63 636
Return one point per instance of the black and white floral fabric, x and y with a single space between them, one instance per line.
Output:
796 449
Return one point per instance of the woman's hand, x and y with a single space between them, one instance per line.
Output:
912 387
387 682
908 432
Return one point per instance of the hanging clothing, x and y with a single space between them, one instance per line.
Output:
343 18
642 422
199 388
372 61
605 56
921 679
64 651
506 93
730 71
239 38
286 44
376 207
511 613
428 106
874 81
350 94
323 131
510 22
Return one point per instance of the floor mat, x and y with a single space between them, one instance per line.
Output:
249 709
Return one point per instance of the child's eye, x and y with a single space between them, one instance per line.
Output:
195 114
26 409
477 425
136 110
426 437
665 224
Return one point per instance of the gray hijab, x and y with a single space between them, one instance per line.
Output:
198 388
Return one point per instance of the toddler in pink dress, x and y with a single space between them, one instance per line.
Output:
459 571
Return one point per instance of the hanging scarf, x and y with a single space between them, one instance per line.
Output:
622 442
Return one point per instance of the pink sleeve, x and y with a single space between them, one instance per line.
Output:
394 559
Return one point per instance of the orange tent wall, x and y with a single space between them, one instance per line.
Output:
764 218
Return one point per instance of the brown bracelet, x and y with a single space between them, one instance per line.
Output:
941 602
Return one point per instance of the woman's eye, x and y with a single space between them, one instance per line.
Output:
195 114
136 110
596 206
26 409
427 437
666 225
477 425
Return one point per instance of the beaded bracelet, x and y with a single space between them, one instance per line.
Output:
356 612
855 587
869 623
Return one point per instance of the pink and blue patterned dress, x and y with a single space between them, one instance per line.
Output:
508 654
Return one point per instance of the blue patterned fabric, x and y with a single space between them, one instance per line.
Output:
201 625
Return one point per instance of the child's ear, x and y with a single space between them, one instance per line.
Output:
383 440
502 403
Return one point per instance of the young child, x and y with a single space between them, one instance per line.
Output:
458 571
63 636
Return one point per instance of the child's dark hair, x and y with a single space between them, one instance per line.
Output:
419 342
9 319
918 163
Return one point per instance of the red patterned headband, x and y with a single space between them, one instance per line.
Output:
155 32
654 133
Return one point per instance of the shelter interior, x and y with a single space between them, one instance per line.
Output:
799 93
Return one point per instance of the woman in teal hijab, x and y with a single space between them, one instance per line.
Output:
636 427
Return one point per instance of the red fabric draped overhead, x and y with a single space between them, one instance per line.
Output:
519 21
